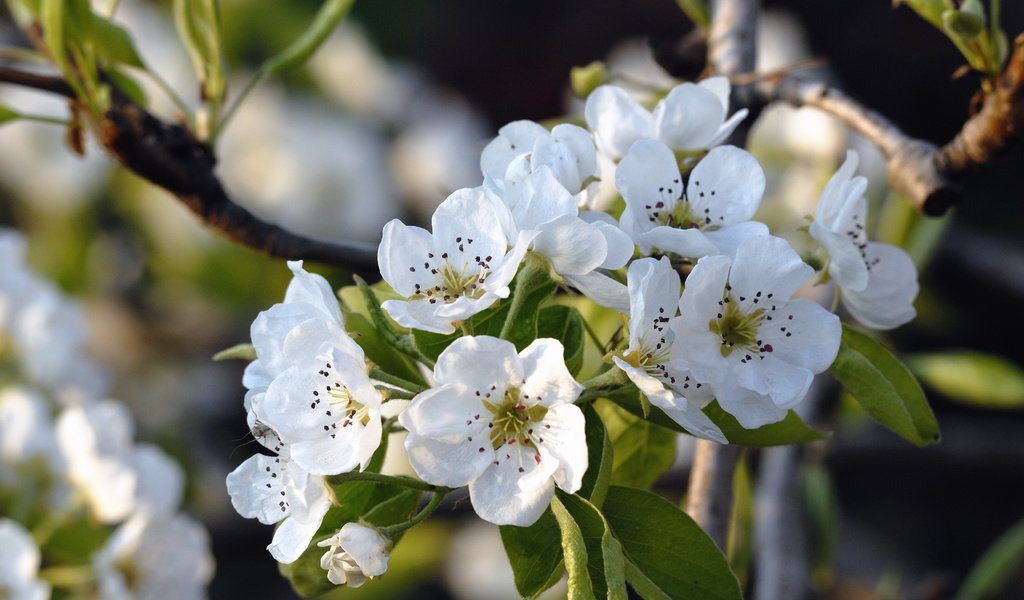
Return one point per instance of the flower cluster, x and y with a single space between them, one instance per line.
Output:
71 456
714 305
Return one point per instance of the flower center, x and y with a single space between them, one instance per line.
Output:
736 328
513 421
453 283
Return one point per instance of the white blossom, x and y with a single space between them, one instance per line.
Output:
711 215
356 552
742 334
96 441
691 117
458 270
274 489
19 564
27 433
877 282
501 422
153 557
666 382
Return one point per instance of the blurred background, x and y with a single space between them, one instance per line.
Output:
390 116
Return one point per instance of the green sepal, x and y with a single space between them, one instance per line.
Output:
114 44
885 387
238 351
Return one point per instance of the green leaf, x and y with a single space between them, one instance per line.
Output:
697 11
885 388
298 52
642 451
667 554
930 10
599 455
605 563
524 329
963 24
996 567
565 324
739 545
791 430
7 114
575 553
52 12
114 44
378 350
972 378
238 351
535 553
128 86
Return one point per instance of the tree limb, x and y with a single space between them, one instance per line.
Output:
169 156
910 162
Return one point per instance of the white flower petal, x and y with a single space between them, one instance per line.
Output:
292 537
313 289
449 464
402 251
565 442
616 119
809 339
498 497
620 244
304 341
653 296
648 179
689 117
728 239
255 488
767 264
602 289
573 246
751 409
160 482
547 380
544 200
479 363
888 299
515 139
725 187
692 243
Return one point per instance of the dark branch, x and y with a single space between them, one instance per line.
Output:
169 156
910 166
44 83
999 122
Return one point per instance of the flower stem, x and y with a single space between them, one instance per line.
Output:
408 482
68 576
388 378
402 343
534 271
599 384
435 501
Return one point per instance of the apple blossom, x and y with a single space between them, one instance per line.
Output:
501 422
460 269
877 282
355 553
653 297
741 332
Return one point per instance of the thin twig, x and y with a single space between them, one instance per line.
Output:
169 156
910 167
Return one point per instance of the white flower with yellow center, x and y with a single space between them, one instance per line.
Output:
710 214
356 552
460 269
501 422
877 282
741 332
653 299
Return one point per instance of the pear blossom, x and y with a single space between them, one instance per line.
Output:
19 564
155 557
96 441
877 282
501 422
274 489
460 269
741 332
653 298
710 215
27 433
523 147
691 117
355 553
